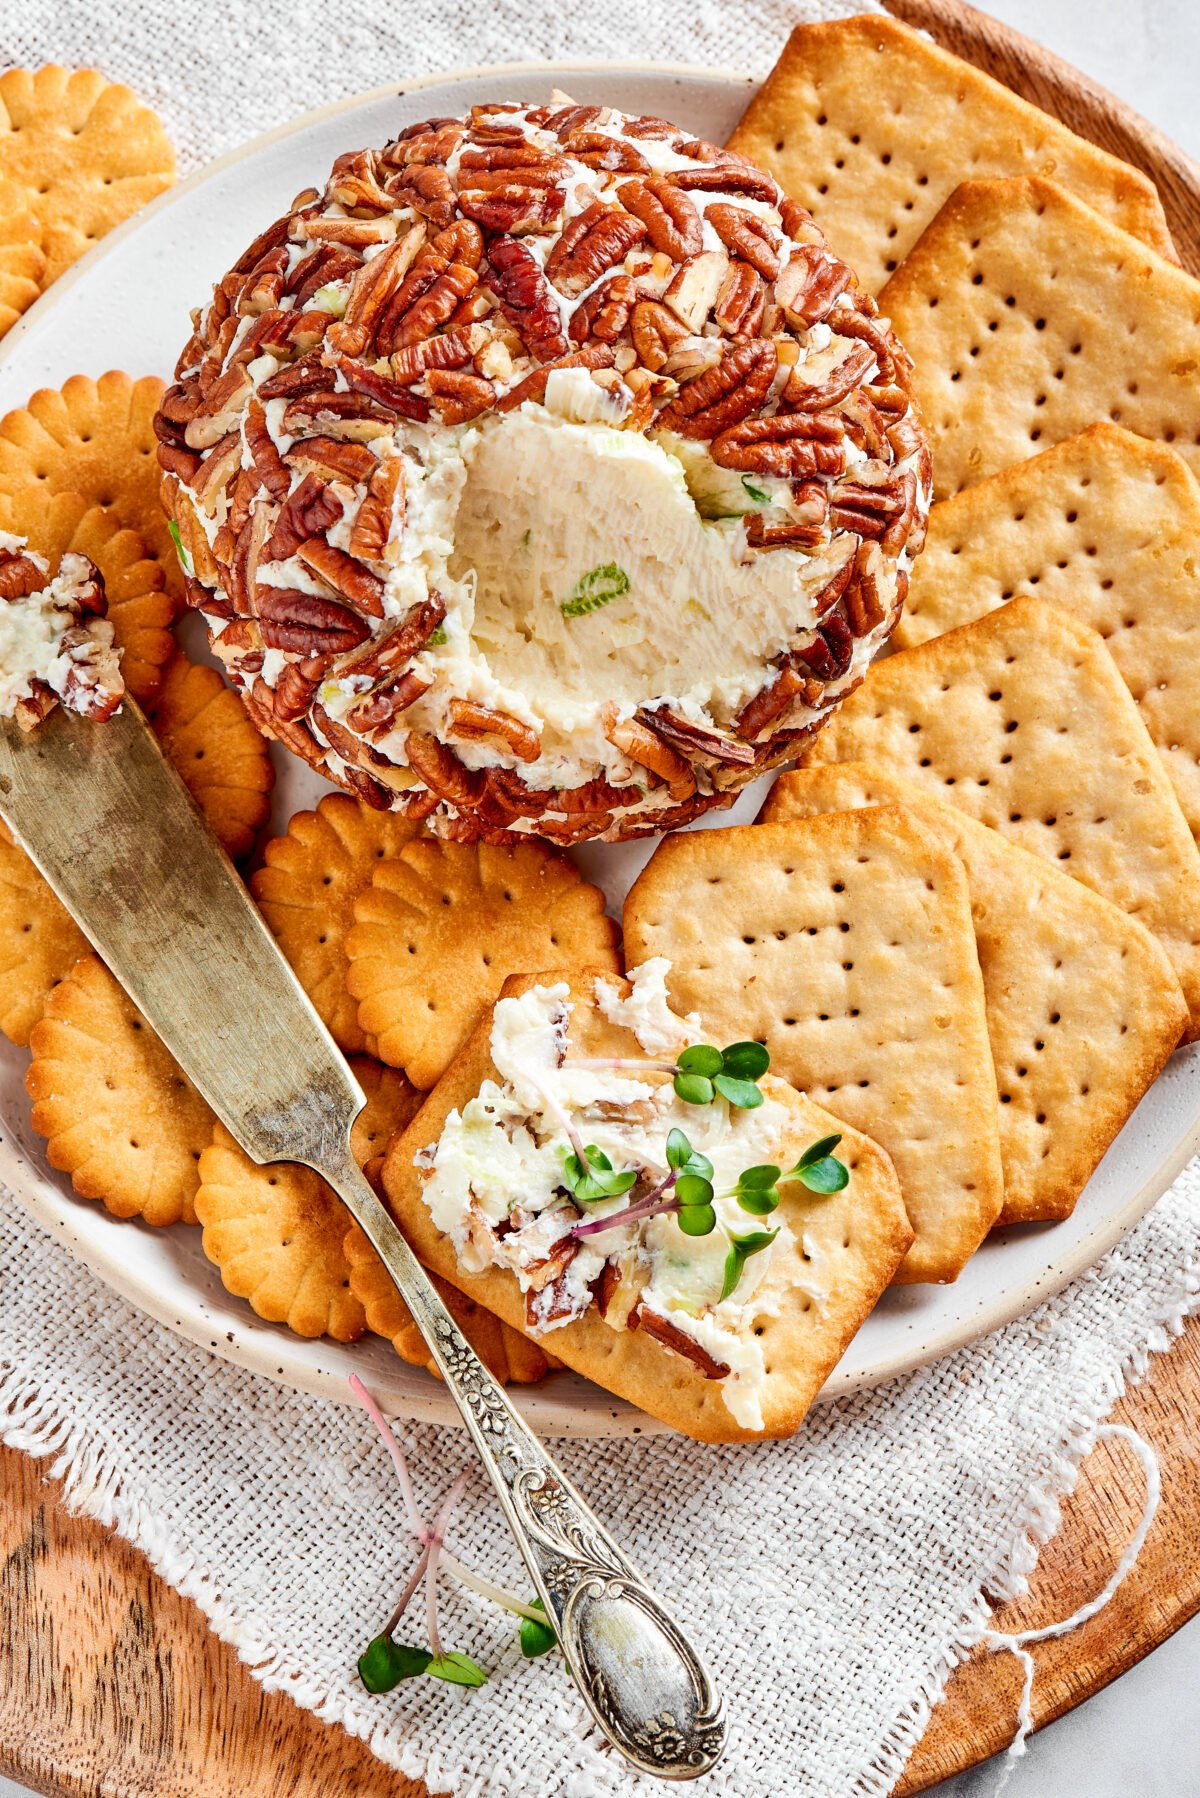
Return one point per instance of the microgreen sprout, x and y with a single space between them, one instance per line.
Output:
757 1189
592 1176
740 1250
702 1073
385 1662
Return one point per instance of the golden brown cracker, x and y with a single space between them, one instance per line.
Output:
854 1240
96 439
1083 1008
306 891
224 761
119 1114
1028 318
141 609
845 944
441 927
870 125
39 941
275 1232
507 1354
1107 525
86 152
22 260
1022 721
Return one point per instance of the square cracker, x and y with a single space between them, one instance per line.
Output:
870 126
1022 720
1029 317
852 1242
1107 525
1082 1006
845 944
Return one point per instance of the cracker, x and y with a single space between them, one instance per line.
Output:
22 260
1029 317
845 944
96 439
141 609
225 763
441 927
306 891
856 1239
870 126
118 1112
275 1233
86 152
1083 1009
508 1354
1105 524
1022 721
40 942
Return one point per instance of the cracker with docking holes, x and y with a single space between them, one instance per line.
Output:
22 260
1105 524
1083 1008
1022 721
40 942
848 1246
1029 317
96 439
507 1354
870 125
275 1233
139 606
85 152
306 890
443 925
845 944
118 1112
224 762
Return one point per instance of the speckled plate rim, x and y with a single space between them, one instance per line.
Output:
905 1332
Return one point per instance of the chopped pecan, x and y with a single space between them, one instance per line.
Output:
649 751
458 396
694 288
746 236
181 462
727 176
307 624
822 396
796 220
370 291
691 357
20 575
265 241
594 241
794 533
514 208
653 130
428 189
598 150
481 724
378 710
345 574
354 184
655 331
358 233
671 219
381 508
352 748
412 322
322 267
605 313
441 771
863 599
792 444
259 703
220 411
332 456
533 387
741 302
273 472
265 283
810 283
526 298
192 537
695 739
724 395
849 321
308 512
389 394
829 654
771 701
451 350
672 1337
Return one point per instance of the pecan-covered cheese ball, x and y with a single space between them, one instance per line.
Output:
546 473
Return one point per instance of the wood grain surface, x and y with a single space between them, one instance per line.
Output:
110 1683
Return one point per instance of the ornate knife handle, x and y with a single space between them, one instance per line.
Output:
643 1682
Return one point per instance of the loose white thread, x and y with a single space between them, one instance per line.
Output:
1018 1644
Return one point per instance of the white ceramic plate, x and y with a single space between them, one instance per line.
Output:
126 306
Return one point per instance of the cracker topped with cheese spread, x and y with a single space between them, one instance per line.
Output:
55 641
702 1244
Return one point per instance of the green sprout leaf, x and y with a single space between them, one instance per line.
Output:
740 1250
759 1201
384 1663
699 1164
599 587
679 1150
701 1059
817 1151
694 1089
693 1189
745 1061
457 1669
742 1093
758 1178
757 494
597 1180
697 1220
819 1169
536 1638
185 561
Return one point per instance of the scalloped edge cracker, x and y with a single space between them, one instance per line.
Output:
1107 525
1021 720
858 1235
870 125
1028 318
1083 1008
845 943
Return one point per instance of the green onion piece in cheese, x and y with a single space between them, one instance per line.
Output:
599 587
438 638
756 493
185 561
330 299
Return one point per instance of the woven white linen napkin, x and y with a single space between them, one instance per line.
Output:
833 1580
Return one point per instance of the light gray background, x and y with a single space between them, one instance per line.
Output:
1141 1737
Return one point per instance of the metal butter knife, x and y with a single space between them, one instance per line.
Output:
114 830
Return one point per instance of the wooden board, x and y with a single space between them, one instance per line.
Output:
111 1683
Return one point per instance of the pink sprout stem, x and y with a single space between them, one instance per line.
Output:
562 1119
624 1066
433 1550
395 1451
418 1574
651 1206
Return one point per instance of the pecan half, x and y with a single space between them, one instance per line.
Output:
598 150
441 771
605 313
329 413
863 599
354 185
358 233
370 291
322 267
221 410
332 456
792 444
307 375
595 240
812 280
671 219
747 236
741 302
273 472
515 208
851 322
526 299
653 1323
695 739
382 506
295 688
429 190
378 710
345 574
308 512
405 640
481 724
655 331
795 533
533 387
771 701
451 350
727 176
458 396
389 394
831 651
822 396
412 321
871 511
20 575
649 751
307 624
724 395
